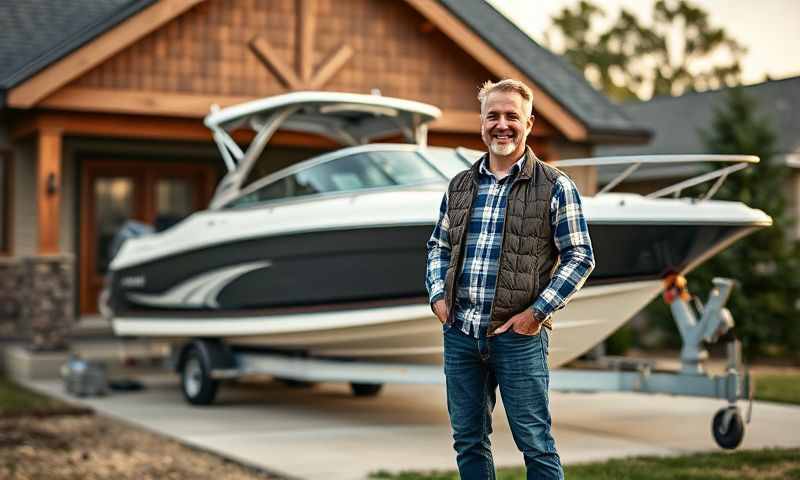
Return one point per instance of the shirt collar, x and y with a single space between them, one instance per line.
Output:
483 168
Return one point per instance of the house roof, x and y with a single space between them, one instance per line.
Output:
36 33
676 121
551 72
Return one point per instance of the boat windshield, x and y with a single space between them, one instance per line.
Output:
358 171
449 161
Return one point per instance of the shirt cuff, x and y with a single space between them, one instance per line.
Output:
541 309
436 291
437 297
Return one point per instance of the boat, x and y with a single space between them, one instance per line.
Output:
324 256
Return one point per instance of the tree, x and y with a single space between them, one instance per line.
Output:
766 303
681 51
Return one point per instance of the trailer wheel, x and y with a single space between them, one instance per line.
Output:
728 427
366 389
196 382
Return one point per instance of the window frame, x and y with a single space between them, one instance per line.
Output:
7 211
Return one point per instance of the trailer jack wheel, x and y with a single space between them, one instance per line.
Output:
366 389
196 382
728 427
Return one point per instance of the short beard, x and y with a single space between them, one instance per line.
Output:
502 150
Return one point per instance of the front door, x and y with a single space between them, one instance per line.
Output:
113 192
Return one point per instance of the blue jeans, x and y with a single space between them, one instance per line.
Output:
474 367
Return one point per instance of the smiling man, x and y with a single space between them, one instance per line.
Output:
510 248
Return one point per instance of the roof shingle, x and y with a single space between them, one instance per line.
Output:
36 33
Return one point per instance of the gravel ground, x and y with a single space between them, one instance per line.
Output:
92 447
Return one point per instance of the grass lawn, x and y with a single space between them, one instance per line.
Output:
778 387
767 464
16 400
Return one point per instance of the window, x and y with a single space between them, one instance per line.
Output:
354 172
272 191
447 160
366 170
6 173
274 158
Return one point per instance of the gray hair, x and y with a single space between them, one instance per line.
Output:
507 85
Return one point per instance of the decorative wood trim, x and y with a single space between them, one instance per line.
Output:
305 78
7 212
306 24
48 189
266 54
30 92
332 65
496 63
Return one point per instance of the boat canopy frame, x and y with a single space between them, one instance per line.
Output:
739 162
349 119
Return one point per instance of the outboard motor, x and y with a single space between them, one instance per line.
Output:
131 229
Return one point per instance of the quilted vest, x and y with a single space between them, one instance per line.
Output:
528 254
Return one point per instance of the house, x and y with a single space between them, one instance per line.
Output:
102 101
677 121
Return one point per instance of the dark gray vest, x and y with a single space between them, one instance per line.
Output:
528 254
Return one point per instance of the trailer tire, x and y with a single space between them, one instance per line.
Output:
728 427
366 389
196 383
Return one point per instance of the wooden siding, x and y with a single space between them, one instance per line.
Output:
209 51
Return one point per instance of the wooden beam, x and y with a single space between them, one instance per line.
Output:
458 121
194 106
48 189
138 101
30 92
267 55
115 126
306 20
331 66
154 128
496 63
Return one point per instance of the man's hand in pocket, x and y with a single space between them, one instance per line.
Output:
440 310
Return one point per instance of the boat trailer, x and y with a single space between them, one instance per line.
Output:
204 363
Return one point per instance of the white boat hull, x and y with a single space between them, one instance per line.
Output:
407 334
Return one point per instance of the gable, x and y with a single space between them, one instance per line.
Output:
218 49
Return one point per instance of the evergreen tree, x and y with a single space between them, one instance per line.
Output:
766 302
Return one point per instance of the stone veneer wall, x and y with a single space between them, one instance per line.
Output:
37 300
10 286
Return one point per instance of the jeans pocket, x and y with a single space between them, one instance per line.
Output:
524 335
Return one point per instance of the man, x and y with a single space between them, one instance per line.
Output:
510 248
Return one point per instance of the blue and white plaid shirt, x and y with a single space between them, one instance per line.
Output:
478 277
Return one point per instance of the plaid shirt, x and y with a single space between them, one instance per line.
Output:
478 277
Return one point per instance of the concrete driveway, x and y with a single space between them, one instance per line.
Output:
326 433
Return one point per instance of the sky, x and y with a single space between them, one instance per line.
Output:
770 29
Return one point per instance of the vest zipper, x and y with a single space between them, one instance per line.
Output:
502 239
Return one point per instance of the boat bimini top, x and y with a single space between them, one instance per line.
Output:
347 118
